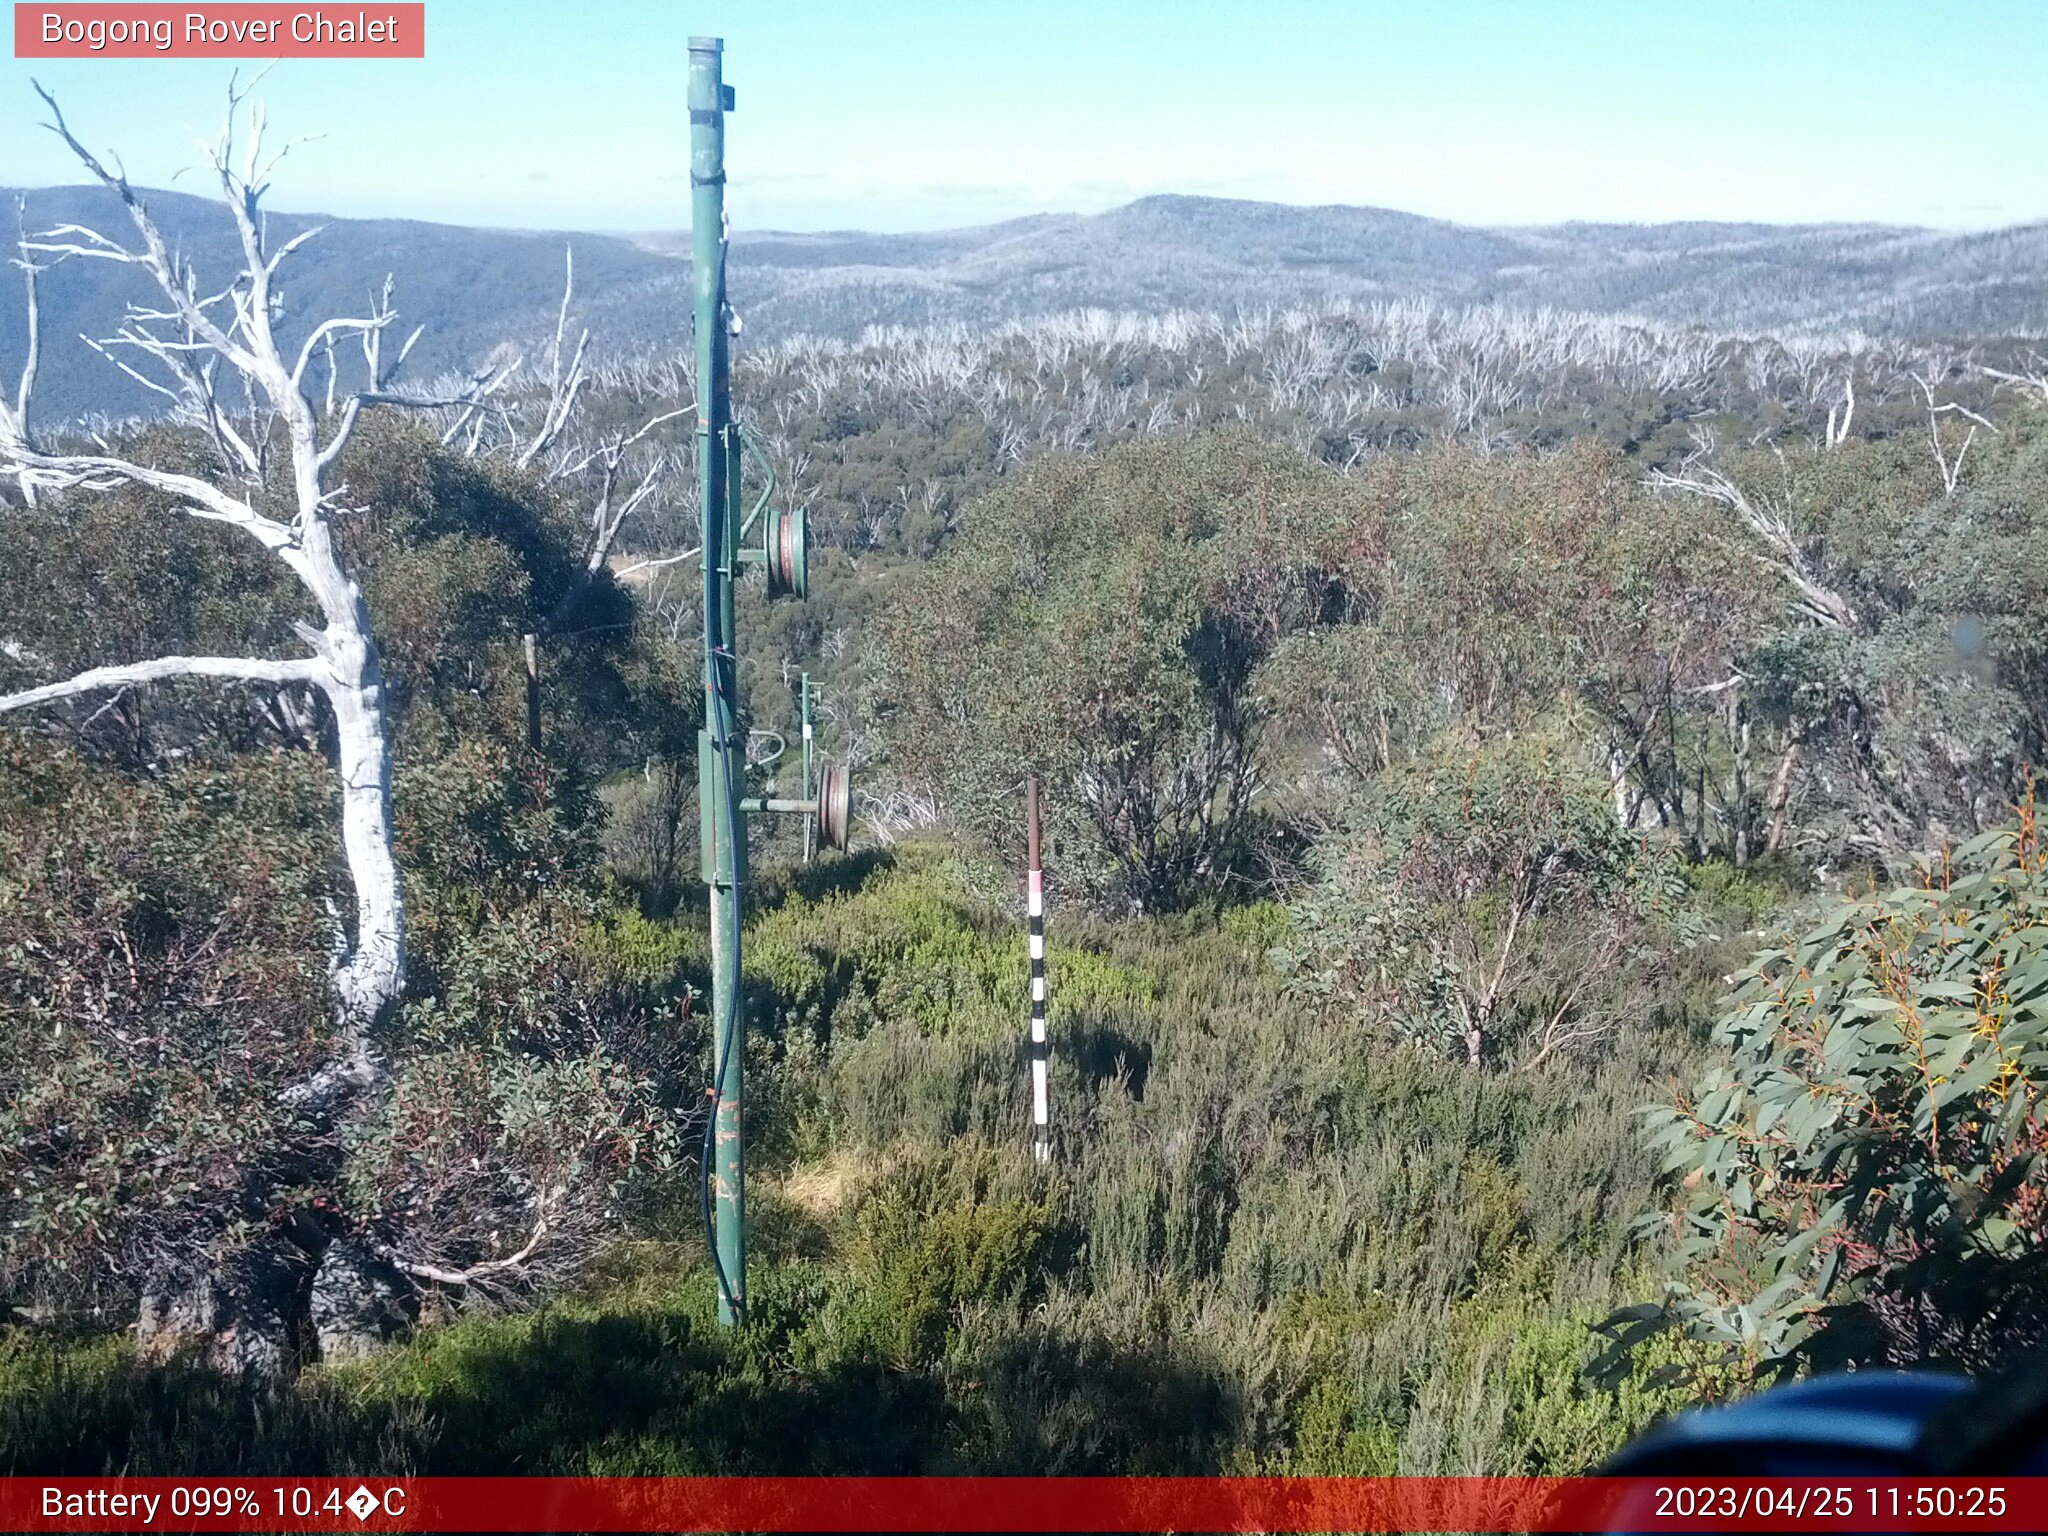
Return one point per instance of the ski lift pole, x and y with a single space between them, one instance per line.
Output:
719 756
784 554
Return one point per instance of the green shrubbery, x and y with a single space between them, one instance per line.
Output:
1100 626
1534 723
161 981
1246 1257
1865 1180
1268 1245
1485 900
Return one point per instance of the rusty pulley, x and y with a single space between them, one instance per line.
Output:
785 551
835 807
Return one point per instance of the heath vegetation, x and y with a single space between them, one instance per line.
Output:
1547 902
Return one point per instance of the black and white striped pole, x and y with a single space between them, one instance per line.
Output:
1041 1046
804 710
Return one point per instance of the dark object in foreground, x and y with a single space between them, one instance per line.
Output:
1866 1422
1859 1424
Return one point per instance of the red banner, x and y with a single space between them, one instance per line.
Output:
1024 1504
251 31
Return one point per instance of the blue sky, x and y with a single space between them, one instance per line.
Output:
900 114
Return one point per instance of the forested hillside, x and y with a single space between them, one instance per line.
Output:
1224 255
1547 901
1214 257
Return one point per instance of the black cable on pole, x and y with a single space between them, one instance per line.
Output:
728 1027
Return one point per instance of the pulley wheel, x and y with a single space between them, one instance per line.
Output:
787 538
835 807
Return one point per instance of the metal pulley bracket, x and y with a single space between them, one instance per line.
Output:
785 547
833 806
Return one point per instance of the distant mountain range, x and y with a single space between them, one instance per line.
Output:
1218 254
473 288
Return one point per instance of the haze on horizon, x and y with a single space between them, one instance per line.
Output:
899 115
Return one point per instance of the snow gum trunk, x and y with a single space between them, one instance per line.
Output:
374 972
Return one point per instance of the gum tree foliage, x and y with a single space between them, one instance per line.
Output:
162 981
1099 623
1864 1181
1824 652
1482 590
1484 900
1671 614
1513 715
1901 690
1737 721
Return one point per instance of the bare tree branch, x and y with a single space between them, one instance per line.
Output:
1951 470
31 358
610 512
2035 379
475 1272
155 256
26 389
656 564
1697 477
563 388
247 668
323 334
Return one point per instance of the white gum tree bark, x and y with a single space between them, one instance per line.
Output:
184 345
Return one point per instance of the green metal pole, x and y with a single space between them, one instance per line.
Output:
718 746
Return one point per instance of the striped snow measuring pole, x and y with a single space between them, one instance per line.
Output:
810 789
1041 1047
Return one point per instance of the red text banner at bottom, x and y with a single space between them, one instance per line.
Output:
1023 1504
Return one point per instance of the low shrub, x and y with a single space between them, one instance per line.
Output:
1866 1180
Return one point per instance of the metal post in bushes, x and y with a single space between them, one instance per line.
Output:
804 711
1041 1045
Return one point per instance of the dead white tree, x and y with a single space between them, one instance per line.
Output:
2033 380
564 384
1951 469
184 344
32 354
1838 430
1782 550
613 504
